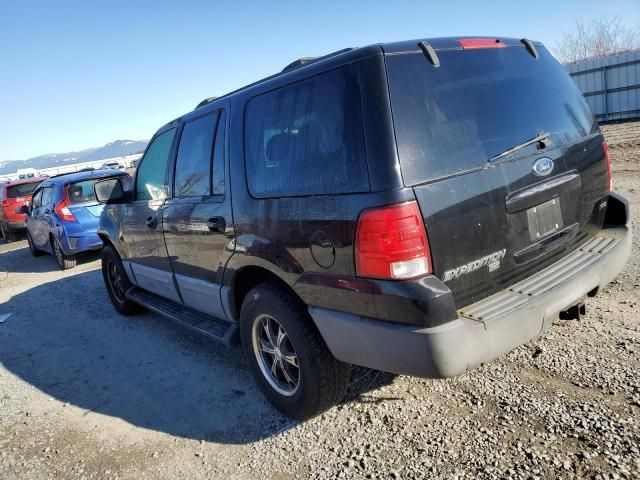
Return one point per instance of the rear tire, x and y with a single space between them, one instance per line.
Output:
287 356
8 235
32 248
65 261
117 282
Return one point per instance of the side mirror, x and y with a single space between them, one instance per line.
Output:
24 209
109 191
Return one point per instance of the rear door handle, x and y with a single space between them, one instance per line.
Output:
217 224
152 221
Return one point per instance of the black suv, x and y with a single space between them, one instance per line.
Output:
419 207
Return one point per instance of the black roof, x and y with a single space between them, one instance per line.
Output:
307 66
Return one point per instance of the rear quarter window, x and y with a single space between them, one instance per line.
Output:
307 138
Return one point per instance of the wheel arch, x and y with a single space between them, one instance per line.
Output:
249 277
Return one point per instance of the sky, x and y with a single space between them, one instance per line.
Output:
76 75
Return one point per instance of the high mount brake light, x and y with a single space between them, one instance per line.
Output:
607 158
392 243
471 43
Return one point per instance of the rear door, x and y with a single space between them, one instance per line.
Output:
505 159
197 221
142 229
43 220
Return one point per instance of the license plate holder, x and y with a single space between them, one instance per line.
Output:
544 219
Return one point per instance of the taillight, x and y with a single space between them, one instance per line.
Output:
391 243
62 209
471 43
607 159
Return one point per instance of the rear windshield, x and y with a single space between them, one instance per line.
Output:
81 192
478 104
21 190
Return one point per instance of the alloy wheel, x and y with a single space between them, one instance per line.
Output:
58 252
276 355
114 275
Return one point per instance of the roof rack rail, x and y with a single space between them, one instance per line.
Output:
307 60
430 53
531 48
206 101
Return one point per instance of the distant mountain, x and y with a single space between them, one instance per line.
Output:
119 148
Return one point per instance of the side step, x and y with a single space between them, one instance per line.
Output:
221 330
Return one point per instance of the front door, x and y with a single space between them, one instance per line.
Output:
142 227
197 222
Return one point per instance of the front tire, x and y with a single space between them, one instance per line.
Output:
287 356
65 262
117 282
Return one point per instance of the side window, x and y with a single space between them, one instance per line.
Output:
36 200
193 163
307 138
218 156
47 196
150 179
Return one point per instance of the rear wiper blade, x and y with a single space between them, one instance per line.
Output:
541 137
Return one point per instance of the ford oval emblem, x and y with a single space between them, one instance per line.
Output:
542 167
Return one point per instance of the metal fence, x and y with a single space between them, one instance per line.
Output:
611 85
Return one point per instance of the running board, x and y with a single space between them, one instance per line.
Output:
221 330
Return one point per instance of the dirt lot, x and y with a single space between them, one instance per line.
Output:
86 393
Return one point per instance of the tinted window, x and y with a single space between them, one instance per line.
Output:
478 104
83 191
307 138
193 164
36 201
218 156
47 196
21 190
150 179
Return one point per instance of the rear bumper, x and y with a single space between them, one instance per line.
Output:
73 244
14 226
487 329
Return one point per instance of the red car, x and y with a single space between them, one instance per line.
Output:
12 196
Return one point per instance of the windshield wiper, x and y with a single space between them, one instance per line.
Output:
540 138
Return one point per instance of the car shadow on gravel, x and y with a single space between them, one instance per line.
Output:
20 260
65 338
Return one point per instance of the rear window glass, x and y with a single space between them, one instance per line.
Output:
478 104
81 192
307 138
21 190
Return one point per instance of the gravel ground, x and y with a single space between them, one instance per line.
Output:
624 144
85 393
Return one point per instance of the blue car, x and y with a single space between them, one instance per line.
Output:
63 216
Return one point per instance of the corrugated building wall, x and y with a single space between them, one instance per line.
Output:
611 85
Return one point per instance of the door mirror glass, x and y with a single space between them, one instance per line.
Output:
23 209
109 191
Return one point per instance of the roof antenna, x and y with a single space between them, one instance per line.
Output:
430 53
531 48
